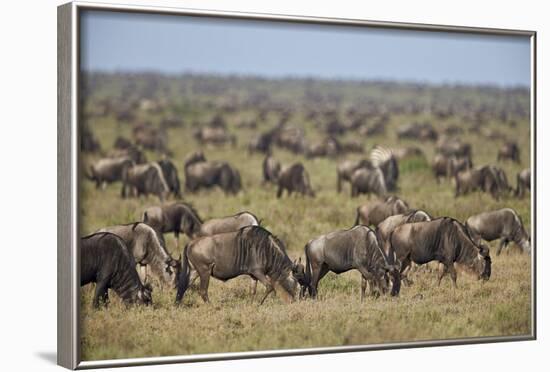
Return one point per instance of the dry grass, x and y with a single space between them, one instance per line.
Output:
235 322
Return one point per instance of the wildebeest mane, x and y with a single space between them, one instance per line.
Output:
192 210
264 245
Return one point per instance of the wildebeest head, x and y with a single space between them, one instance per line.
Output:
481 265
171 271
190 224
299 273
144 295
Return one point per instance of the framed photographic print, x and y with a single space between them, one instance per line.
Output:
235 185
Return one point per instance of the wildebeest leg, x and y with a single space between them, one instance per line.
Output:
363 288
279 192
101 289
443 272
177 236
503 244
253 287
143 273
452 271
265 281
203 290
405 269
316 276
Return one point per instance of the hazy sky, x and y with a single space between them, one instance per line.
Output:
175 44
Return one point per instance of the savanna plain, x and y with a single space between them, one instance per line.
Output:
234 320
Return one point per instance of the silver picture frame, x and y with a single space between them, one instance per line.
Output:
68 286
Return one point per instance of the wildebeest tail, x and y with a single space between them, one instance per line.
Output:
183 279
308 269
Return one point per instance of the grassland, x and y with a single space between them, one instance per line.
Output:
234 321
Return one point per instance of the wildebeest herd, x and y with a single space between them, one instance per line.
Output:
352 165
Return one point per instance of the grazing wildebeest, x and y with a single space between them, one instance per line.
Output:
177 218
145 179
251 251
385 228
420 131
377 211
344 250
109 170
454 147
327 147
445 240
215 136
106 261
270 169
170 173
447 166
228 224
150 138
294 178
200 173
487 178
504 224
509 151
523 180
291 138
148 249
366 181
262 143
345 170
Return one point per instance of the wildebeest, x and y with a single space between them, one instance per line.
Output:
408 152
345 170
200 173
420 131
106 261
150 138
509 151
251 251
385 228
375 212
294 178
344 250
454 147
145 179
379 176
270 169
131 151
445 240
109 170
291 138
177 218
170 173
215 136
523 180
148 249
448 166
487 178
504 224
227 224
88 142
329 147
